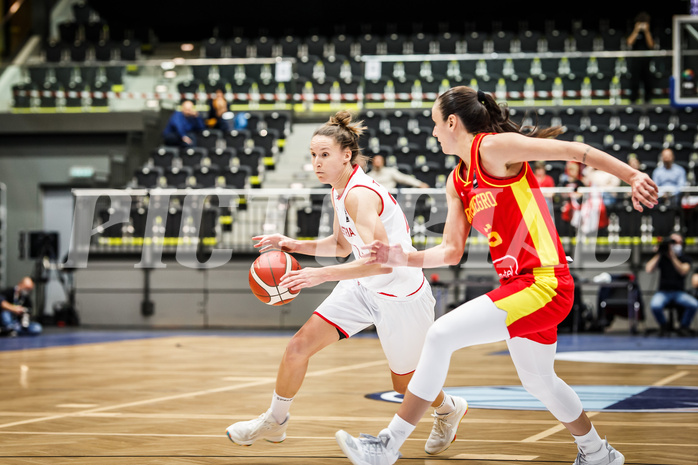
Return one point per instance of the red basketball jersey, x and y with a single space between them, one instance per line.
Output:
512 214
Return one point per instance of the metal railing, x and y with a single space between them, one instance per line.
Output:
193 223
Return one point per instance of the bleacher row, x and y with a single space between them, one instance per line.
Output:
518 81
91 58
235 159
514 79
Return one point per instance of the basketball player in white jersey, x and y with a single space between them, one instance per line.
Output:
398 302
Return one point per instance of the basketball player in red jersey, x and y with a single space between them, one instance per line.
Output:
494 190
399 301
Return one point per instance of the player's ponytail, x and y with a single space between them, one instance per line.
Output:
480 112
346 133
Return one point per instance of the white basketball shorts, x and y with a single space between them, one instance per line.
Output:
401 323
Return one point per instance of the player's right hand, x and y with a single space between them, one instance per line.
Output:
274 241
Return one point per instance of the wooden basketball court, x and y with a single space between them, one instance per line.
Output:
168 400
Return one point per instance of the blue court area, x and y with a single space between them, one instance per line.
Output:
620 341
595 398
55 337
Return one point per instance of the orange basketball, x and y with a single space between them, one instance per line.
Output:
265 274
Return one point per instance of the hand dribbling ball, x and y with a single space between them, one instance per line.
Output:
265 274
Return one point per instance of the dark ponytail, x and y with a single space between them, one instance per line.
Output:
479 112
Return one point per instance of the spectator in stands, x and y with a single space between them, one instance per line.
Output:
183 125
390 177
640 39
572 176
545 180
669 175
635 163
602 180
219 115
15 310
673 267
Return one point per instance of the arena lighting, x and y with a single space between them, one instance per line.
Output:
187 47
11 11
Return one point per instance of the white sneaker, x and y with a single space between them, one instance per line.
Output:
367 450
245 433
443 432
613 457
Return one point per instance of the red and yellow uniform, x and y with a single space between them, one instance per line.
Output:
536 287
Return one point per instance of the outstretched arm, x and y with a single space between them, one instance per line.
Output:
512 148
331 246
363 206
448 252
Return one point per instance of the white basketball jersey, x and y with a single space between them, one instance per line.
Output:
403 281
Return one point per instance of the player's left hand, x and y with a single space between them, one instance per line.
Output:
385 254
644 191
299 279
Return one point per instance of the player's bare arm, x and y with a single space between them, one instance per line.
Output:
331 246
509 150
363 206
448 252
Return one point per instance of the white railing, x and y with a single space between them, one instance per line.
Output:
197 222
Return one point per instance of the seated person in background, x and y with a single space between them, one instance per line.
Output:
635 163
544 180
219 116
183 125
669 175
15 307
673 266
572 176
602 180
390 177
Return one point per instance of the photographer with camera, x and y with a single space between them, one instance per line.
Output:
640 39
15 310
673 267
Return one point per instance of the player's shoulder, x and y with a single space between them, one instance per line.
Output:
363 192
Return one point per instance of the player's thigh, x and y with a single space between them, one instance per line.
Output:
312 337
347 309
402 328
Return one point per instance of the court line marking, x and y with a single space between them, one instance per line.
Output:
320 438
76 405
328 418
191 394
558 428
494 457
669 379
551 431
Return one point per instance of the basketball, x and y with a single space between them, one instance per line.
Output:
265 274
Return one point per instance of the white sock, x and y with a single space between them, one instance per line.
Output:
590 443
447 405
399 430
280 407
